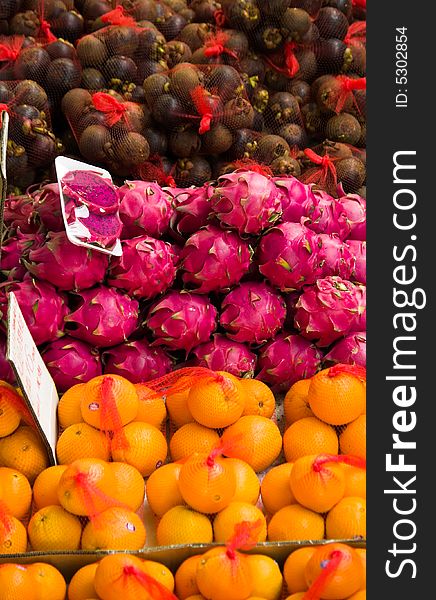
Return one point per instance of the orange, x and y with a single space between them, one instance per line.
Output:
309 436
15 492
295 404
114 529
266 577
255 439
177 403
81 585
317 485
159 572
45 488
162 488
185 577
13 535
361 595
223 574
207 484
69 411
247 482
109 402
47 582
85 487
236 512
353 439
355 481
81 441
147 448
191 438
275 489
337 399
130 485
217 402
361 552
346 576
15 582
196 597
151 408
53 528
347 520
294 567
297 596
9 415
24 450
295 523
182 525
259 398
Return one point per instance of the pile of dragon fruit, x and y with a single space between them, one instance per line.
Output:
256 275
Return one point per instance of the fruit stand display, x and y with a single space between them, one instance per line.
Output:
184 233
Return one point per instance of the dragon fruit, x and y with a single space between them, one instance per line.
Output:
192 208
329 216
253 312
291 300
103 230
355 209
214 260
88 188
221 354
136 361
145 269
246 201
105 317
336 257
6 372
298 199
288 256
43 308
330 309
47 205
181 320
19 214
351 350
358 250
15 249
146 209
65 265
287 359
71 361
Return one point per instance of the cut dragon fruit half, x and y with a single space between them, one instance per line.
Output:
97 193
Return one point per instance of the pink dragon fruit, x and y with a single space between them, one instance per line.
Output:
6 372
221 354
330 309
246 201
291 300
71 361
214 260
19 214
328 217
336 257
358 250
192 208
137 361
105 317
181 320
15 249
43 308
65 265
145 269
355 209
287 359
351 350
288 256
253 313
146 209
88 188
47 205
298 199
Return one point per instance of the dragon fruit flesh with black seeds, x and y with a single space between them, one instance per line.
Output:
253 312
145 269
355 209
103 230
71 361
222 354
336 256
65 265
43 308
288 256
298 199
246 201
287 359
105 317
88 188
137 361
181 320
145 209
350 350
214 260
191 208
330 309
358 250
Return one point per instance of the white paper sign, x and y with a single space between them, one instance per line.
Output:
33 377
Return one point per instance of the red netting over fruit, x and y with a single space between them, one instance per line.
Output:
184 378
355 370
330 566
245 537
153 588
320 464
323 175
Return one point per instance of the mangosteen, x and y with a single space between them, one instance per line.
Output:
151 43
260 98
177 52
25 23
63 74
137 94
311 37
32 63
150 67
217 140
184 79
176 5
4 27
195 34
308 65
296 23
6 93
27 111
294 134
224 80
253 66
300 90
361 142
171 26
30 92
344 128
121 40
167 111
205 10
258 122
192 171
271 147
91 51
351 173
188 14
310 6
80 121
41 149
267 38
286 165
61 49
274 8
16 159
94 142
355 60
332 55
8 8
76 102
245 142
336 150
242 14
326 90
92 79
345 6
283 108
137 117
314 121
131 148
332 23
154 86
157 141
69 25
274 80
238 114
142 9
121 68
184 143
